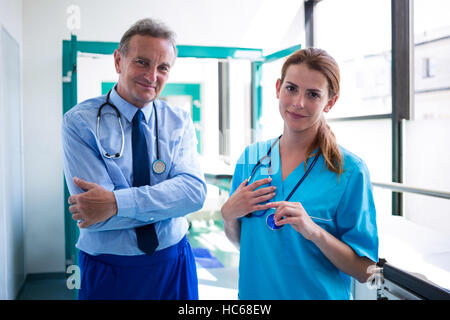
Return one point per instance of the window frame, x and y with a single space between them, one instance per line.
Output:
402 86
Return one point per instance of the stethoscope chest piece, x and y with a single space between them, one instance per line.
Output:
158 166
270 220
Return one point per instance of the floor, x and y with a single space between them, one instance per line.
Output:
50 286
215 283
217 269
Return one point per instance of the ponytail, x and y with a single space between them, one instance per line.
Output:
326 142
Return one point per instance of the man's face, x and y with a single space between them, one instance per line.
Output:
144 70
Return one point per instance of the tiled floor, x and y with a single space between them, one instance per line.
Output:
46 287
214 283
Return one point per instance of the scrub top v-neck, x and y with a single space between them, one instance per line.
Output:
282 264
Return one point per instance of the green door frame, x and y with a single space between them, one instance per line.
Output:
194 91
69 65
256 86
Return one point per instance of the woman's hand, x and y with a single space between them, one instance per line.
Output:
338 252
246 199
294 214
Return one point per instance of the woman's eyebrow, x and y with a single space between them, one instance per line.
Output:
314 90
292 84
309 89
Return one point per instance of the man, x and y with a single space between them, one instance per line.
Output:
130 201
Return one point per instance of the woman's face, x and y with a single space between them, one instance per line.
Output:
303 97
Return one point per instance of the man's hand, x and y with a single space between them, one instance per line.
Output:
95 205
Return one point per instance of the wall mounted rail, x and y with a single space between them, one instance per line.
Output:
400 187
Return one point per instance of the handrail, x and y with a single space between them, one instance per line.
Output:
400 187
223 181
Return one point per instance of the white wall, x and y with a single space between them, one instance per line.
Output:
12 273
197 22
43 31
11 18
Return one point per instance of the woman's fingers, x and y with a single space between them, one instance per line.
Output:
264 198
259 183
286 209
295 222
260 207
264 191
243 184
246 199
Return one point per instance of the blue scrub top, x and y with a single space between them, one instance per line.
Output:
282 264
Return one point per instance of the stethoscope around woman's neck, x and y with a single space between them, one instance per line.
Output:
267 161
158 165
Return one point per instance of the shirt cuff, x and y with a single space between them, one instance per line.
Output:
126 206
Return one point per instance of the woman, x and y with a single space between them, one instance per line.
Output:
301 208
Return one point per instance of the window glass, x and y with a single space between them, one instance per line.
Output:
271 120
426 152
431 59
374 146
357 33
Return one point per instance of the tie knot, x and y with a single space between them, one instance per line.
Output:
138 116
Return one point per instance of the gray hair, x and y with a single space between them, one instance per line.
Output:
147 27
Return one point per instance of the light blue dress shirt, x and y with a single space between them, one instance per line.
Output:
282 264
180 190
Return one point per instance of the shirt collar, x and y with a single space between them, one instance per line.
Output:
127 109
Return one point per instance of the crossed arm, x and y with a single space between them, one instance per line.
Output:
94 205
98 203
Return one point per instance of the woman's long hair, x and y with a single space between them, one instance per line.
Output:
319 60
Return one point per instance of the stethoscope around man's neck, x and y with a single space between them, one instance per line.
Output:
158 165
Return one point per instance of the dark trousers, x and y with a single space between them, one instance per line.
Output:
168 274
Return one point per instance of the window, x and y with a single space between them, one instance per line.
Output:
432 60
361 45
426 152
